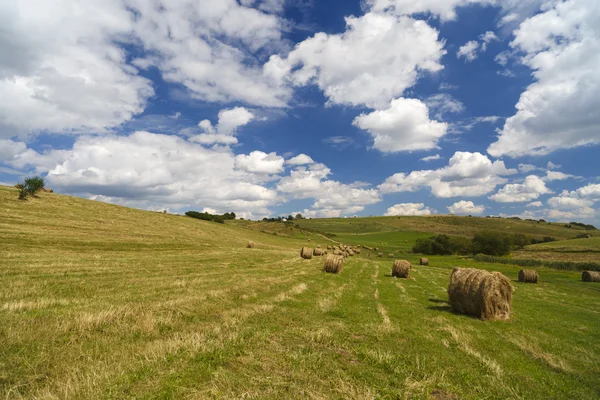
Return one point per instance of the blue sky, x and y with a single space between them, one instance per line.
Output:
328 108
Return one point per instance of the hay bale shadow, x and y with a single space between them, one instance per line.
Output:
439 301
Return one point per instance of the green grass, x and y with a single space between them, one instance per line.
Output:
100 301
448 224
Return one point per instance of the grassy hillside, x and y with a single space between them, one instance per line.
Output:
448 224
100 301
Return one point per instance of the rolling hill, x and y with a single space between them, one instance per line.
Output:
101 301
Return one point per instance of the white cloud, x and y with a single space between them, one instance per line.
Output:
591 191
526 168
408 209
535 204
584 213
332 198
569 203
466 208
404 126
300 159
9 149
445 9
431 158
557 176
227 126
467 175
551 165
468 51
153 170
258 162
69 70
559 110
374 61
531 189
61 70
443 103
487 38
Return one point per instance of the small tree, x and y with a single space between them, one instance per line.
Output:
492 243
22 191
30 187
298 216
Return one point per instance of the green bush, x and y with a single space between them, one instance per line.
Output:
210 217
492 243
30 187
443 245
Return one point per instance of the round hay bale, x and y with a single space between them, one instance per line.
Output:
406 241
590 276
482 294
329 248
376 248
250 245
391 255
401 269
325 252
306 253
528 276
317 252
338 253
333 264
357 251
350 253
423 261
380 254
318 246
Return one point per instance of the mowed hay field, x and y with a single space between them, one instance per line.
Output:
99 301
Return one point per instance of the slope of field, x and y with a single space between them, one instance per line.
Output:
575 250
448 224
99 301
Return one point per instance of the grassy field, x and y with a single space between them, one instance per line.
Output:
99 301
448 224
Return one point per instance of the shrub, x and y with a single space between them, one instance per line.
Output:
209 217
30 187
492 243
443 245
520 240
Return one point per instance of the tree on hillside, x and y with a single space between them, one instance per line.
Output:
492 243
299 216
30 187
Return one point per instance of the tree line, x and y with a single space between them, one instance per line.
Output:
488 242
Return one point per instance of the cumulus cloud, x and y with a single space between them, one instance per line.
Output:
154 170
300 159
535 204
404 126
466 208
374 61
467 175
468 51
9 149
531 189
557 176
559 110
409 209
69 71
258 162
332 198
228 124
